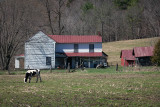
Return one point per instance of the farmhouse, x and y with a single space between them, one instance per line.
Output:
127 58
58 51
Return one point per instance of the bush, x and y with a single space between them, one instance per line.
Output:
156 54
87 6
124 4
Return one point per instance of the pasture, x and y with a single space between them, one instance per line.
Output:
91 87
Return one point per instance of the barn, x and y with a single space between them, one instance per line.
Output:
127 59
143 55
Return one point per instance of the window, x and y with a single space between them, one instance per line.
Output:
91 47
75 47
48 60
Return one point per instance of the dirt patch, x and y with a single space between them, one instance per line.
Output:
30 89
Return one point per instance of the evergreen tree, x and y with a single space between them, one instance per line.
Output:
124 4
156 54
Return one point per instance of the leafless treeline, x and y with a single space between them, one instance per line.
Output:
20 19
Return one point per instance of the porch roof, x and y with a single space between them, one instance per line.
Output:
94 54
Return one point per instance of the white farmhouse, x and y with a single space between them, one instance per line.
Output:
57 51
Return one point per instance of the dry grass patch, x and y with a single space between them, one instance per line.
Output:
113 49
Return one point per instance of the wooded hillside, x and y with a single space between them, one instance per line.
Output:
114 19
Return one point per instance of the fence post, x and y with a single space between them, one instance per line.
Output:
117 67
68 67
51 68
82 67
124 63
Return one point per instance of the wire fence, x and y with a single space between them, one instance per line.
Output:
141 68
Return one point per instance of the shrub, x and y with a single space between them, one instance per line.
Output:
156 54
87 6
124 4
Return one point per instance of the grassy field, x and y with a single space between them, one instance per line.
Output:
113 49
91 87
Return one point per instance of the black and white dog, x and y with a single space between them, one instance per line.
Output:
32 73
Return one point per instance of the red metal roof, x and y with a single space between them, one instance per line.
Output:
76 38
95 54
20 55
143 51
127 54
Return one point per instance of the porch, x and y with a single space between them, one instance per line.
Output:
75 61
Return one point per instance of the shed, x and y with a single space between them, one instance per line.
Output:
143 55
127 58
19 61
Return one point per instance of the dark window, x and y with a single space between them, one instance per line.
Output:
48 60
91 47
75 47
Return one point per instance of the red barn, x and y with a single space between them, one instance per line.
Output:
127 58
143 55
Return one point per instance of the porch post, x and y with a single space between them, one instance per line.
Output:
89 63
65 63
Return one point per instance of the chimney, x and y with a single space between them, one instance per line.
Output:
99 33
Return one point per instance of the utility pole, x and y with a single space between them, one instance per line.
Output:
102 27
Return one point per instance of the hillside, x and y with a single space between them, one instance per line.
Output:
113 49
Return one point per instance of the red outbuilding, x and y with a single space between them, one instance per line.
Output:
143 55
138 55
127 59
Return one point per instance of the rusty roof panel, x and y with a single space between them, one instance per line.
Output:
143 51
127 54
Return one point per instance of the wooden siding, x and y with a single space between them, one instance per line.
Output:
17 65
69 48
37 49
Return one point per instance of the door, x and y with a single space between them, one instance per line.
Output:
69 61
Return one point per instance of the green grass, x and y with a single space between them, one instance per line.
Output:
91 87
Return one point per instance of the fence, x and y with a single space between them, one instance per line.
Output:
141 68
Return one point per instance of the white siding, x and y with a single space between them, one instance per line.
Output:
16 63
37 49
98 47
82 48
67 48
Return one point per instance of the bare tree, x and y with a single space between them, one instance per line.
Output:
152 16
12 24
54 11
58 11
49 14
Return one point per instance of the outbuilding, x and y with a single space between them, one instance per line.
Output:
143 55
127 58
19 61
